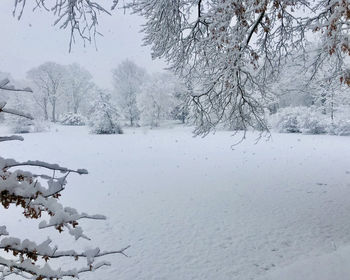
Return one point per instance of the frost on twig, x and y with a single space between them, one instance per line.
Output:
79 17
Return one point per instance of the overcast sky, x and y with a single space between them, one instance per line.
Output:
33 40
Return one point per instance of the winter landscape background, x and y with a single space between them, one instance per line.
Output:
227 158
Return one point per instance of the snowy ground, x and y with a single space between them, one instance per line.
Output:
194 208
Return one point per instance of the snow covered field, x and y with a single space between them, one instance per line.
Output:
197 208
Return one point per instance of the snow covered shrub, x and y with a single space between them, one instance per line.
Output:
20 125
104 117
299 120
342 128
73 119
313 122
286 120
24 125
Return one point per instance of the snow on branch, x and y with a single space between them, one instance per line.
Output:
3 231
28 191
45 271
23 189
233 51
37 163
16 113
11 138
4 85
31 250
80 17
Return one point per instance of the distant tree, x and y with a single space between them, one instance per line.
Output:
299 84
104 117
181 110
156 99
78 85
128 79
50 78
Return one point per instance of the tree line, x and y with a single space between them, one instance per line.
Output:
137 97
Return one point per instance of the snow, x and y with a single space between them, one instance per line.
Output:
332 266
200 208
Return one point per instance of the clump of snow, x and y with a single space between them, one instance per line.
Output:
3 230
73 119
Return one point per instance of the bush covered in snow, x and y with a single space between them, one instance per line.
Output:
73 119
286 120
104 117
19 125
299 120
24 125
341 128
312 122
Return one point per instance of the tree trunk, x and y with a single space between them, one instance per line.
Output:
332 109
46 115
54 111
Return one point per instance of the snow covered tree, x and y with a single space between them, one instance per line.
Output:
181 110
128 79
77 87
50 78
156 99
104 117
299 84
37 195
230 50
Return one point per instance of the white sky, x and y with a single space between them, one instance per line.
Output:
33 40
